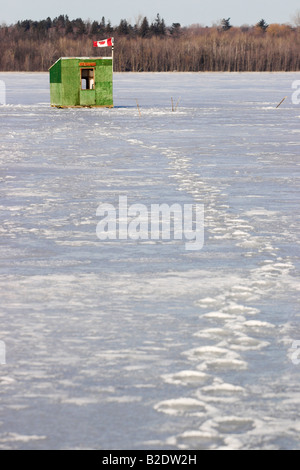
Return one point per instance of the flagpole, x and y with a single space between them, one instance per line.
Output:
112 58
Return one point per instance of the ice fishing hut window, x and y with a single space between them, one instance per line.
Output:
87 79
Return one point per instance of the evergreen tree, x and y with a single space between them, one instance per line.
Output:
60 22
123 28
162 28
158 27
69 27
80 26
102 26
48 23
225 24
262 25
145 28
95 27
25 25
175 29
108 28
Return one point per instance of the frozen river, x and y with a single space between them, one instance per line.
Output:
142 344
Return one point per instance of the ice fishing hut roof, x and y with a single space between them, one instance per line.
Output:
80 58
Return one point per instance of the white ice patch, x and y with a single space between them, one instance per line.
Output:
223 389
187 378
20 438
181 406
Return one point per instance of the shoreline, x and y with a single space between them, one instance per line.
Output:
174 72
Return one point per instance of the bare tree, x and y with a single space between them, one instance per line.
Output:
296 19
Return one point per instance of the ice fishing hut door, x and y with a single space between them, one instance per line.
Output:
87 86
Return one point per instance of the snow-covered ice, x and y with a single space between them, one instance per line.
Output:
122 344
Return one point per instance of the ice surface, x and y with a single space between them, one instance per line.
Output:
124 344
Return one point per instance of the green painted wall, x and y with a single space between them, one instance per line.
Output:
65 83
55 83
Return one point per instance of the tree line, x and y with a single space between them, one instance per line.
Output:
152 46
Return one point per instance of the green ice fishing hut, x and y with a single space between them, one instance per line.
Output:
82 82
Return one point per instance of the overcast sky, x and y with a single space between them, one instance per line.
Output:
187 12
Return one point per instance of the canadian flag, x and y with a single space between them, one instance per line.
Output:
105 43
